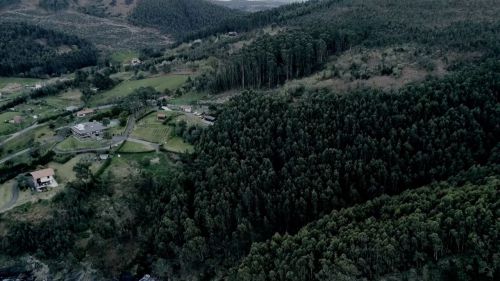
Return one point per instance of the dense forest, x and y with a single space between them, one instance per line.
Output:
447 232
28 50
54 5
178 17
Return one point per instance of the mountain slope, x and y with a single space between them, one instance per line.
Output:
452 230
179 16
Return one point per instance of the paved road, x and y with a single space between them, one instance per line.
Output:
156 146
14 155
13 199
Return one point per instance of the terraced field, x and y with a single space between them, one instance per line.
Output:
149 129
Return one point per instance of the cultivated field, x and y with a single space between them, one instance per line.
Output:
125 88
5 82
152 130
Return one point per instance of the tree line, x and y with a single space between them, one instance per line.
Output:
272 60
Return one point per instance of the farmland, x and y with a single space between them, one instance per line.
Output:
125 88
6 81
42 135
152 130
72 143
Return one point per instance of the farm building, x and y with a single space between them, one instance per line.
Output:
88 129
42 179
72 108
85 112
186 108
135 61
160 116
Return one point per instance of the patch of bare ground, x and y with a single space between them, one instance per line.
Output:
386 69
105 33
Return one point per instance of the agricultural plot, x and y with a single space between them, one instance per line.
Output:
8 128
69 98
72 143
13 84
188 98
152 130
125 88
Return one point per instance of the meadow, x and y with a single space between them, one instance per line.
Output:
133 147
72 143
125 88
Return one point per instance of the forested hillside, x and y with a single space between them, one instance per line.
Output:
272 165
179 17
28 50
447 232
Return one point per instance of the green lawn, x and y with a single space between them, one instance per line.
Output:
73 143
125 88
64 172
133 147
4 81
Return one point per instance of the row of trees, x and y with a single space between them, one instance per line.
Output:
272 60
29 50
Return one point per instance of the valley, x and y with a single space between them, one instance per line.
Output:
196 140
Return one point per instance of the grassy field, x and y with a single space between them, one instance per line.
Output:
124 56
43 135
64 172
178 145
72 143
125 88
8 128
69 98
5 193
188 98
133 147
4 81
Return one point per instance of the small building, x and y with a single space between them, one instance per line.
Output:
85 112
186 108
43 179
103 157
166 108
232 33
135 62
16 120
209 118
164 98
160 116
88 129
72 108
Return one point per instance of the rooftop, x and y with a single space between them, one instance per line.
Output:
49 172
89 127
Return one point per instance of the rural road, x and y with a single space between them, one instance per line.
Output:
14 155
16 134
13 199
152 144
